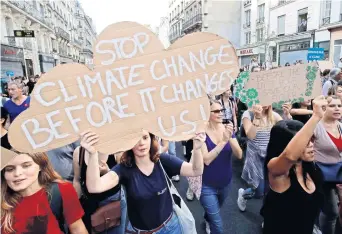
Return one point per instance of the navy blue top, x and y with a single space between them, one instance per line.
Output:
149 203
219 172
14 110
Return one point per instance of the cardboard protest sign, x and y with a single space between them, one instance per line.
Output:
278 86
136 84
325 65
6 157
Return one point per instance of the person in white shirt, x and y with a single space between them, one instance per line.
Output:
340 63
335 76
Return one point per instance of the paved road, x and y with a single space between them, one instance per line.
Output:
235 222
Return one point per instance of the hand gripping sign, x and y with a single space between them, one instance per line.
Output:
135 85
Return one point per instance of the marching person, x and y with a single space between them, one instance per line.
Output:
220 145
148 200
335 76
257 125
301 111
4 134
294 199
92 201
328 150
18 102
35 199
230 108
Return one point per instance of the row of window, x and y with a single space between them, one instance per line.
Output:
260 16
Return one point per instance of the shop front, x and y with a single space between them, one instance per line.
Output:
293 51
46 62
12 63
246 56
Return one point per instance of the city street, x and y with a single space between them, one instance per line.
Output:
235 222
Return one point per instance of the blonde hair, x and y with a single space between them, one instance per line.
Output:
10 199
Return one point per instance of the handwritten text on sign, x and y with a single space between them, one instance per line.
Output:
288 84
135 85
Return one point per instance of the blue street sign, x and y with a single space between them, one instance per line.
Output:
9 73
315 54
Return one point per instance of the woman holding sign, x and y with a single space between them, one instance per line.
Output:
141 171
295 198
257 125
220 145
328 152
35 199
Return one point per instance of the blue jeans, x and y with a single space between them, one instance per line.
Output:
212 200
172 148
258 192
171 227
118 196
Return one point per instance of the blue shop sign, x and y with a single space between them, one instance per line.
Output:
315 54
9 73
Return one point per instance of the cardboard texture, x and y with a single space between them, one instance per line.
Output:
136 84
6 157
278 86
325 65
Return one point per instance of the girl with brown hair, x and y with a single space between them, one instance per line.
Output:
26 185
149 203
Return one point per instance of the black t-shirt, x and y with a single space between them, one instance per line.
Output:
148 199
301 118
4 142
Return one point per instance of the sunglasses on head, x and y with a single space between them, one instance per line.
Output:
218 111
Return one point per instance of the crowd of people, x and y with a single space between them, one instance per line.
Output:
292 160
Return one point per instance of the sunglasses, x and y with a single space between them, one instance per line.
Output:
217 111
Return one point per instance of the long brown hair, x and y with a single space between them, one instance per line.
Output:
10 199
127 157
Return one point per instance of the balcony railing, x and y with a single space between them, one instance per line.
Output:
174 35
247 3
87 50
63 34
325 21
193 21
32 11
78 15
260 20
11 41
77 42
281 2
247 25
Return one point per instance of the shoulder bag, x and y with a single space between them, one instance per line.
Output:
332 172
107 216
185 217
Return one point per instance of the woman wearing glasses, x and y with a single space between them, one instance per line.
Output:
257 125
220 145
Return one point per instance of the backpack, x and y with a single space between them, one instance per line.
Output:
56 205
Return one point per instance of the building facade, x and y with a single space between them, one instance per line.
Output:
218 17
176 18
163 31
56 36
298 25
253 31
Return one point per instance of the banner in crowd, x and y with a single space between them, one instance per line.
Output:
278 86
136 84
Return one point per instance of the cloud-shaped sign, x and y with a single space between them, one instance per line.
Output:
136 84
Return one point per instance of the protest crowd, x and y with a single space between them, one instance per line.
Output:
291 155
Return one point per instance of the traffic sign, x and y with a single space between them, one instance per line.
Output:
23 33
9 73
315 54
